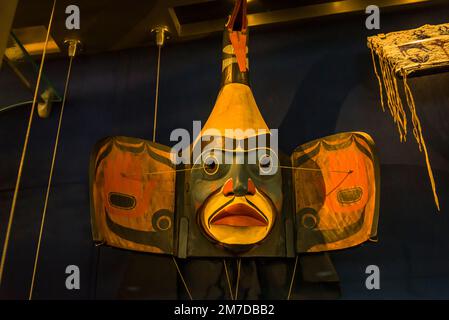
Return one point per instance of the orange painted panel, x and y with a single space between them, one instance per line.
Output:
133 195
336 183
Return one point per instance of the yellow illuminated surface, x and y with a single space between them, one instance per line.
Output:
33 40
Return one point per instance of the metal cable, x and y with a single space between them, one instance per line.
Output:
50 177
156 99
24 150
293 279
239 262
182 278
228 279
12 106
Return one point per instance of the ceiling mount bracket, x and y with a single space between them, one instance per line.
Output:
74 45
48 97
161 34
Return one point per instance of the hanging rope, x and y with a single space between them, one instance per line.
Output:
24 150
52 167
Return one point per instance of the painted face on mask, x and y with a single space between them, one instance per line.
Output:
237 194
231 199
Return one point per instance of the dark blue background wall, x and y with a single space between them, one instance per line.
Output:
310 80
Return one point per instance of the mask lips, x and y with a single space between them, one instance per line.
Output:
239 215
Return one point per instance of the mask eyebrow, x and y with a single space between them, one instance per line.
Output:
212 151
222 154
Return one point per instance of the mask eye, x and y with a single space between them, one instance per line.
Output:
211 165
265 163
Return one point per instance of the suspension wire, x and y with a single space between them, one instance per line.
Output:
239 262
339 184
228 279
12 106
130 176
24 150
50 176
316 169
96 263
156 98
182 278
292 279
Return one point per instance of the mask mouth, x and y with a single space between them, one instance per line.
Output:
239 215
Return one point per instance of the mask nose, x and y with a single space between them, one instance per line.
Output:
239 188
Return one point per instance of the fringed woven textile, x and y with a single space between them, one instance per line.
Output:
401 54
